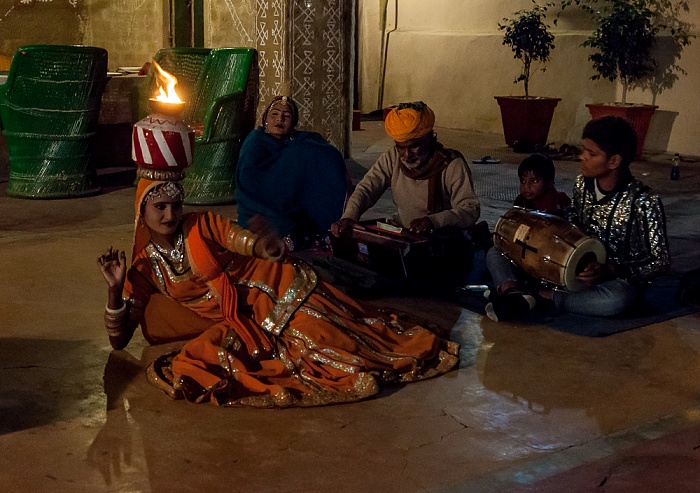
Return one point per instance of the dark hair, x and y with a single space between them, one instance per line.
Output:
614 135
414 105
540 166
286 100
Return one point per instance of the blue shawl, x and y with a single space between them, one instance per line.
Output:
298 184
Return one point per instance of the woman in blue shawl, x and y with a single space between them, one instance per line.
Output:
294 179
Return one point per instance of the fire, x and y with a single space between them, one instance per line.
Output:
166 86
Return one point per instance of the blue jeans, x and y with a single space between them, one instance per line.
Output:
602 300
501 268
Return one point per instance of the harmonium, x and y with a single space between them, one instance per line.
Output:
384 248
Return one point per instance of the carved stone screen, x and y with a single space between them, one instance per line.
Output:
305 50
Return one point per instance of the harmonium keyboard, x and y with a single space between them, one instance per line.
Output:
385 249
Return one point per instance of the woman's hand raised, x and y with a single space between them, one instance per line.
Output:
113 267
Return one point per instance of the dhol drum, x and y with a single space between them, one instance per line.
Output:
546 246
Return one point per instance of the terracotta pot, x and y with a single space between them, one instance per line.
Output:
638 115
526 119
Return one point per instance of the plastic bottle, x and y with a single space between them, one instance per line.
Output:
676 167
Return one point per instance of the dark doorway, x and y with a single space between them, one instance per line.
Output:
187 23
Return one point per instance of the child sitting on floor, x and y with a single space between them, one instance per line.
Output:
537 190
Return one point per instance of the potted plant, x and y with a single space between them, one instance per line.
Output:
526 119
623 43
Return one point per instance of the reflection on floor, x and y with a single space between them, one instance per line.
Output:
530 409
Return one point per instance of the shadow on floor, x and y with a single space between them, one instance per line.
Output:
45 381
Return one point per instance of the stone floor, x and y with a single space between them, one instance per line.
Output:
529 409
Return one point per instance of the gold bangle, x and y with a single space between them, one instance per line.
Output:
242 241
250 245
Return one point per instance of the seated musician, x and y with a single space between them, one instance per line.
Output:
612 205
537 192
431 185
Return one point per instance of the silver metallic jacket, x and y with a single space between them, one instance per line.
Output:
631 223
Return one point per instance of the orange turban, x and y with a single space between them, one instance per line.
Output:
409 121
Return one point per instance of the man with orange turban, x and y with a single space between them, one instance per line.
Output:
431 185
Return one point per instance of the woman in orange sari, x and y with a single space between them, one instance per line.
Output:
261 329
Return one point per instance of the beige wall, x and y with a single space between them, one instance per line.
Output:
39 23
132 31
448 53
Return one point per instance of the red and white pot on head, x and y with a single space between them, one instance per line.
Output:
162 144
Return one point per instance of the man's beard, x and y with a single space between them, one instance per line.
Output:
418 161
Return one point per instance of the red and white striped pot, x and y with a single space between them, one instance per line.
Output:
162 143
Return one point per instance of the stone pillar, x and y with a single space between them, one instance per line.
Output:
320 66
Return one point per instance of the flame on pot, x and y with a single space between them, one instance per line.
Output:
166 86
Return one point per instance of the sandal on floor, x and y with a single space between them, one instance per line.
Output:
486 160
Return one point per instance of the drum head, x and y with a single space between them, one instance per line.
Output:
589 250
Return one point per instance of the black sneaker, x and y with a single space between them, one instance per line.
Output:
510 306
